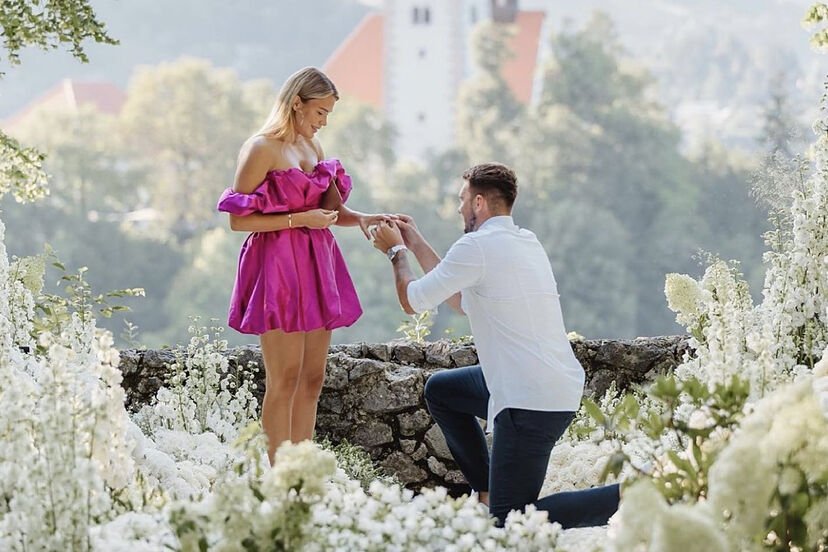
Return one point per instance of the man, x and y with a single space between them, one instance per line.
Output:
528 385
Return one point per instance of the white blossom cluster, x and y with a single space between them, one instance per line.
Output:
684 298
785 442
201 396
63 426
305 501
779 339
577 465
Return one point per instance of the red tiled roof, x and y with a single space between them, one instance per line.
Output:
105 96
519 71
356 67
69 94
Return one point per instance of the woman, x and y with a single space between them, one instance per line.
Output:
292 287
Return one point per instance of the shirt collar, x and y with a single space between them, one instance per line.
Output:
503 221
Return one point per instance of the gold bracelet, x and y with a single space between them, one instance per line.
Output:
290 221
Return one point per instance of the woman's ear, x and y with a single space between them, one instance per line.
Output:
297 102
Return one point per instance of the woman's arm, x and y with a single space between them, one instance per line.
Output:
332 199
257 222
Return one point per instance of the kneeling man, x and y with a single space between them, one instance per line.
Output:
528 385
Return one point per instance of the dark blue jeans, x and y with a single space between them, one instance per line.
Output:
523 441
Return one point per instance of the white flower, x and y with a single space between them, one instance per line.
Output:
700 419
683 297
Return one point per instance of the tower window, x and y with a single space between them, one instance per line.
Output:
421 15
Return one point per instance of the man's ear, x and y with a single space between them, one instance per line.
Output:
479 201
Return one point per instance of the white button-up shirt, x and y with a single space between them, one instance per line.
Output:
511 298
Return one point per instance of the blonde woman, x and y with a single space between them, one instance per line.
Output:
292 286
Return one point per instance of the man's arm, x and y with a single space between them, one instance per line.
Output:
425 254
403 275
462 268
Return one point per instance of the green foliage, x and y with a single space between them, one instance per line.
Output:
21 171
87 172
130 336
488 114
184 123
418 327
817 15
49 23
78 299
603 182
46 24
357 463
790 504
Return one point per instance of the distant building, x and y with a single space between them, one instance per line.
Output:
69 95
410 59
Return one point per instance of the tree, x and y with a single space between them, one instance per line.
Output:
779 125
488 114
601 147
604 184
184 123
28 24
84 159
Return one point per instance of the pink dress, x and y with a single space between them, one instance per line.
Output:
293 279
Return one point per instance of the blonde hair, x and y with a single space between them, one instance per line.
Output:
309 84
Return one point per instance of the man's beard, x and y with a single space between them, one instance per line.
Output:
472 222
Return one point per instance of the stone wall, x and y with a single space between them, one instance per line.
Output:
373 393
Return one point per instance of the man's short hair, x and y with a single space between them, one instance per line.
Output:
494 181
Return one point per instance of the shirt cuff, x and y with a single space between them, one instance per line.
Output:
415 297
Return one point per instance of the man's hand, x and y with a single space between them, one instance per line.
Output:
386 235
408 228
366 221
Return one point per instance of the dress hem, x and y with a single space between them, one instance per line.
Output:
329 327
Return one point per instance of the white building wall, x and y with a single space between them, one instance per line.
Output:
474 11
424 65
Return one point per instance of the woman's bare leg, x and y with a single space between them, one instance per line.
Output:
282 354
310 384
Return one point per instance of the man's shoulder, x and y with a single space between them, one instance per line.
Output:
466 242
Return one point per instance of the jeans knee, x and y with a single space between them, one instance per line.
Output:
432 389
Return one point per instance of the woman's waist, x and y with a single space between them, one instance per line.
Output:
296 231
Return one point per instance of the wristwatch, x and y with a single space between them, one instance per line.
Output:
393 251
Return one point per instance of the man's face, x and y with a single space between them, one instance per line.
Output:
466 209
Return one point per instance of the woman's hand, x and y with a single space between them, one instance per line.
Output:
316 219
366 221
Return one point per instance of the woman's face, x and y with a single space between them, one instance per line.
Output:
312 114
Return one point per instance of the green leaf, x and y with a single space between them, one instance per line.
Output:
594 411
682 464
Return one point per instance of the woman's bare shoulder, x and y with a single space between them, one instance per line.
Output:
260 148
258 156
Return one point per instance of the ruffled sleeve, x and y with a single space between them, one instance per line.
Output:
333 169
265 199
